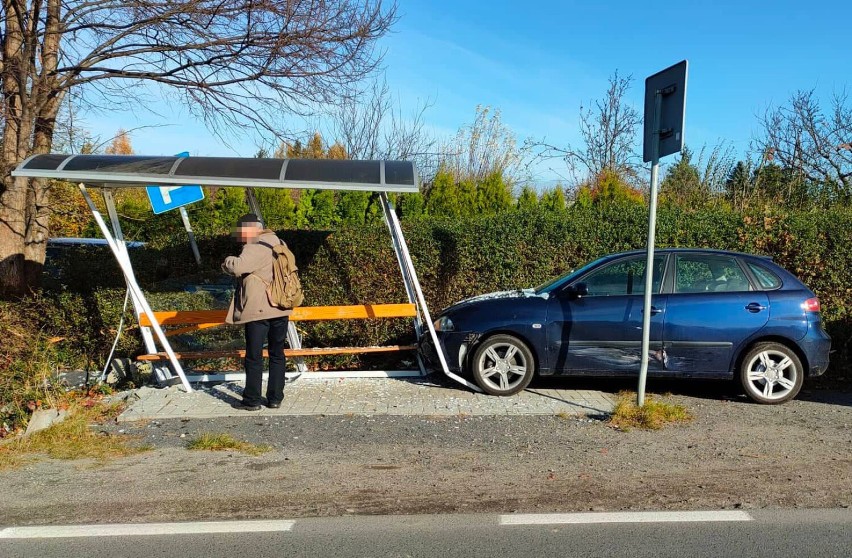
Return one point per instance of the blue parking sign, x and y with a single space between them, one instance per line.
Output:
165 198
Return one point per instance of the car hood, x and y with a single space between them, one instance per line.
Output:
478 299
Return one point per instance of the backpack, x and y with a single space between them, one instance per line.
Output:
285 290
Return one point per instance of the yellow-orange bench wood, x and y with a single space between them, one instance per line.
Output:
195 320
321 351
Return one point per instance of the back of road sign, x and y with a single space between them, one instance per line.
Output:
671 83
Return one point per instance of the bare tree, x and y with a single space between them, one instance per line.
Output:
373 126
814 145
609 131
233 63
483 148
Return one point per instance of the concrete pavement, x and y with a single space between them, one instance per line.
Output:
428 396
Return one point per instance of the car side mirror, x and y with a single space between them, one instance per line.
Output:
577 290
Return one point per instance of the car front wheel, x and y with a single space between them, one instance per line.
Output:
771 373
503 365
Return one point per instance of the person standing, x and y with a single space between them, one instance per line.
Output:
250 306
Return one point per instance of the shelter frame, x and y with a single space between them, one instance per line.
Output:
111 172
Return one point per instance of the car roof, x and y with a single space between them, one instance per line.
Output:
691 251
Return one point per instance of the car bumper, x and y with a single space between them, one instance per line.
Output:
817 347
455 344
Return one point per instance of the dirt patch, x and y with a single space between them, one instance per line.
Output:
734 454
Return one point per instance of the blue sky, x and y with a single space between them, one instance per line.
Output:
538 61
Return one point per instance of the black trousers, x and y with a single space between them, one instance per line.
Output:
275 332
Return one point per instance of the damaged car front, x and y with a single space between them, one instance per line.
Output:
460 327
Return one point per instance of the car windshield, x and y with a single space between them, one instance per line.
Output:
554 284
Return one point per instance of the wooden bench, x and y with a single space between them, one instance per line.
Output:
195 320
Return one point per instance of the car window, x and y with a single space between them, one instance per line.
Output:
624 277
766 278
703 273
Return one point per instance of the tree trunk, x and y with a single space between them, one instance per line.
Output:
32 97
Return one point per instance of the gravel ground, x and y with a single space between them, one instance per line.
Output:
734 455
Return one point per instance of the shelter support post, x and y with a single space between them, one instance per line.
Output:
120 253
649 266
411 276
293 337
109 201
387 209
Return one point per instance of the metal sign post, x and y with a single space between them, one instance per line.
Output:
186 225
665 110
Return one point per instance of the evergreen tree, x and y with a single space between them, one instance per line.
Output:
738 185
304 209
229 204
609 188
443 197
324 214
682 185
493 195
278 207
352 207
527 201
584 198
411 205
467 198
553 200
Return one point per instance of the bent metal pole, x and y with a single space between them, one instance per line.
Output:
127 270
649 266
396 232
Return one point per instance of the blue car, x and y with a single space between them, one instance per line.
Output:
714 314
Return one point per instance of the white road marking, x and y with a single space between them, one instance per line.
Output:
143 529
623 517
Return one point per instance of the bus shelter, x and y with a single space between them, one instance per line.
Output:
173 173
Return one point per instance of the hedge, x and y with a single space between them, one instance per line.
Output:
456 259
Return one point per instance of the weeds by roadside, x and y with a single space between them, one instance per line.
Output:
222 442
26 364
73 438
10 459
653 415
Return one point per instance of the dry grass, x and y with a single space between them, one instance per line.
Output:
10 459
73 438
225 442
653 415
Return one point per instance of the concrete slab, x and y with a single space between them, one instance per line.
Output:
428 396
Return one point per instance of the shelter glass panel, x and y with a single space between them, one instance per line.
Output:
121 164
231 167
332 170
399 172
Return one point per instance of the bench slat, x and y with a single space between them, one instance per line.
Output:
320 351
209 318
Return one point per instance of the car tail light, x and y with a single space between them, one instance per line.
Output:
811 305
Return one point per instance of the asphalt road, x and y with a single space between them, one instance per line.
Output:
774 533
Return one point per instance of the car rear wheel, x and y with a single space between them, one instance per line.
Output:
502 365
771 373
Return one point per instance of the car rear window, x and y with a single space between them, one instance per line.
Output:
765 278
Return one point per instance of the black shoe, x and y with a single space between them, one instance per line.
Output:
274 404
244 407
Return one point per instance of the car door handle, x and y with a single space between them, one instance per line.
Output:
755 307
654 310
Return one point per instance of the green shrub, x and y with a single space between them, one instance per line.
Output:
454 258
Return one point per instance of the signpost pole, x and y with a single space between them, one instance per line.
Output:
185 218
649 266
665 111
